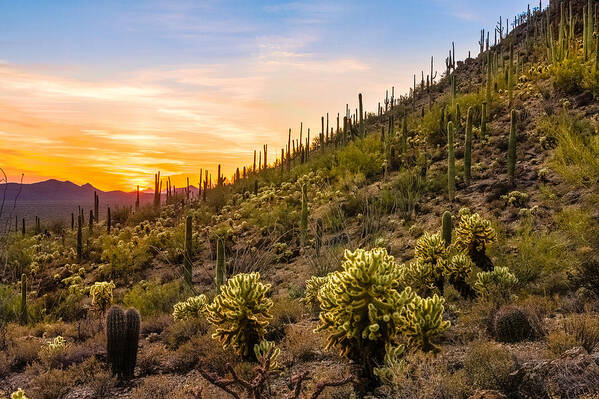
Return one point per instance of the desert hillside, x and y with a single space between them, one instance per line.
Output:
445 245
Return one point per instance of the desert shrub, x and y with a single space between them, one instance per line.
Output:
423 376
586 274
585 330
284 311
94 374
23 352
560 341
241 313
151 298
200 351
10 303
157 387
151 359
301 344
512 325
52 384
360 156
489 365
568 75
576 157
192 307
408 189
496 285
180 332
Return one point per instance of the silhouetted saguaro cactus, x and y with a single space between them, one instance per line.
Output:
450 162
137 199
446 227
220 263
362 129
187 272
468 148
108 220
511 156
91 222
79 239
96 207
24 313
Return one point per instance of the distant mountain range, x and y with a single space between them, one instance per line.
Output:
55 190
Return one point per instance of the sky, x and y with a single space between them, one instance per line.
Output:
110 92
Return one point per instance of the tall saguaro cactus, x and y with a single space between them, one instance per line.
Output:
24 299
79 239
137 199
220 263
96 207
187 272
511 154
108 220
450 162
361 116
468 148
304 221
446 227
157 189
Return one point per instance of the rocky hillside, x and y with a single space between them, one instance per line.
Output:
443 247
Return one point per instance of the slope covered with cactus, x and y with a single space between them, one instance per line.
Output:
444 246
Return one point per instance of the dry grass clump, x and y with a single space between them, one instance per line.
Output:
488 365
301 343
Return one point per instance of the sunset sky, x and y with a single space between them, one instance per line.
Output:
109 92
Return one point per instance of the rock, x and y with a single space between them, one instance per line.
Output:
486 394
583 99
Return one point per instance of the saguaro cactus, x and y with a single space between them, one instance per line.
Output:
133 324
137 199
187 272
79 239
24 299
468 148
361 116
157 190
220 263
304 221
511 155
108 220
450 162
96 206
446 227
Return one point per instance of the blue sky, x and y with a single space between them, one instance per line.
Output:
215 79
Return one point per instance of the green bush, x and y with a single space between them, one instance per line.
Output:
151 298
568 75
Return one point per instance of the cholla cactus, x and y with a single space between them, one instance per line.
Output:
473 234
193 307
362 307
101 293
267 348
392 361
496 284
423 322
431 249
313 286
420 276
18 394
458 271
241 313
57 345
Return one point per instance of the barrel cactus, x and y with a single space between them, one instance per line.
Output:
122 340
192 308
512 325
362 307
241 313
